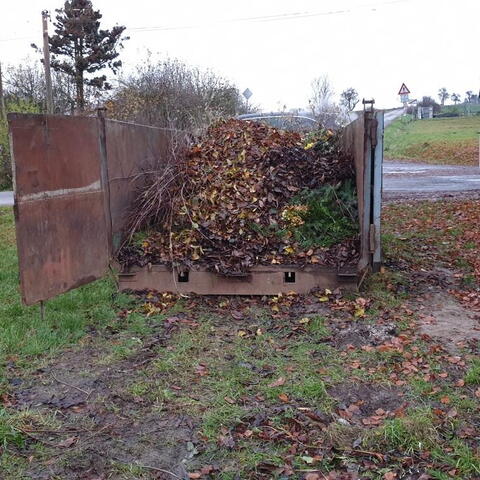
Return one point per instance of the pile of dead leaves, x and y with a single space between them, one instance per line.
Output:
230 207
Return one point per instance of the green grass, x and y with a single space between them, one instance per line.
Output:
439 140
472 377
9 432
461 108
413 433
23 335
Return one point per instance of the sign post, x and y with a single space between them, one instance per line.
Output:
247 94
404 92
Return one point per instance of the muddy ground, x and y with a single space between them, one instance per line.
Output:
102 429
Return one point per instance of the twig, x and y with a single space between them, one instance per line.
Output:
305 470
56 432
71 386
156 469
33 437
149 467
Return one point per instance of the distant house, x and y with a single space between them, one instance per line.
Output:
424 112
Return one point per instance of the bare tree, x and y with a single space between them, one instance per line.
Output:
26 82
171 93
322 92
443 95
325 111
349 99
455 98
468 96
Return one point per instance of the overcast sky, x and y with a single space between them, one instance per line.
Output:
276 47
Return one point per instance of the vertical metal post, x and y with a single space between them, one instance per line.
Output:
3 112
46 62
377 191
478 149
42 310
104 176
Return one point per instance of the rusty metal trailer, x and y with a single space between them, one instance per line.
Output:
76 177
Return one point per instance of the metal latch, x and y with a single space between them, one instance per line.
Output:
373 131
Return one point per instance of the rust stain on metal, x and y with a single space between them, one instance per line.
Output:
268 280
133 152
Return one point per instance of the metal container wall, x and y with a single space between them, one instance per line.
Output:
132 152
75 179
363 140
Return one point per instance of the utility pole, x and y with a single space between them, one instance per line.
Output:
3 112
46 62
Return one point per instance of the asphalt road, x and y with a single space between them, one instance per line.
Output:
6 198
390 116
419 178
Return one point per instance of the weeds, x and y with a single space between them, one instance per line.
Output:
330 215
413 433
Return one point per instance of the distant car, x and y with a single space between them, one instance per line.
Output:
284 121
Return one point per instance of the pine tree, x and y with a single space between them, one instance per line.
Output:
79 47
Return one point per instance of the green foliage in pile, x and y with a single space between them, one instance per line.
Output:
331 217
322 141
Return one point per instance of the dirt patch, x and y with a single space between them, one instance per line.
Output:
104 426
450 322
368 397
361 334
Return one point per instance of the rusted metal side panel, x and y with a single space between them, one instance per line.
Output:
132 151
59 203
266 280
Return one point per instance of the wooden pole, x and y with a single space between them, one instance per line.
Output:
3 111
46 62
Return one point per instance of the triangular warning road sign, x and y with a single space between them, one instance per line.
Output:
403 90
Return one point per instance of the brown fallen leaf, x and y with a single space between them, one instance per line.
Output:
207 469
277 383
68 442
452 413
390 476
226 441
